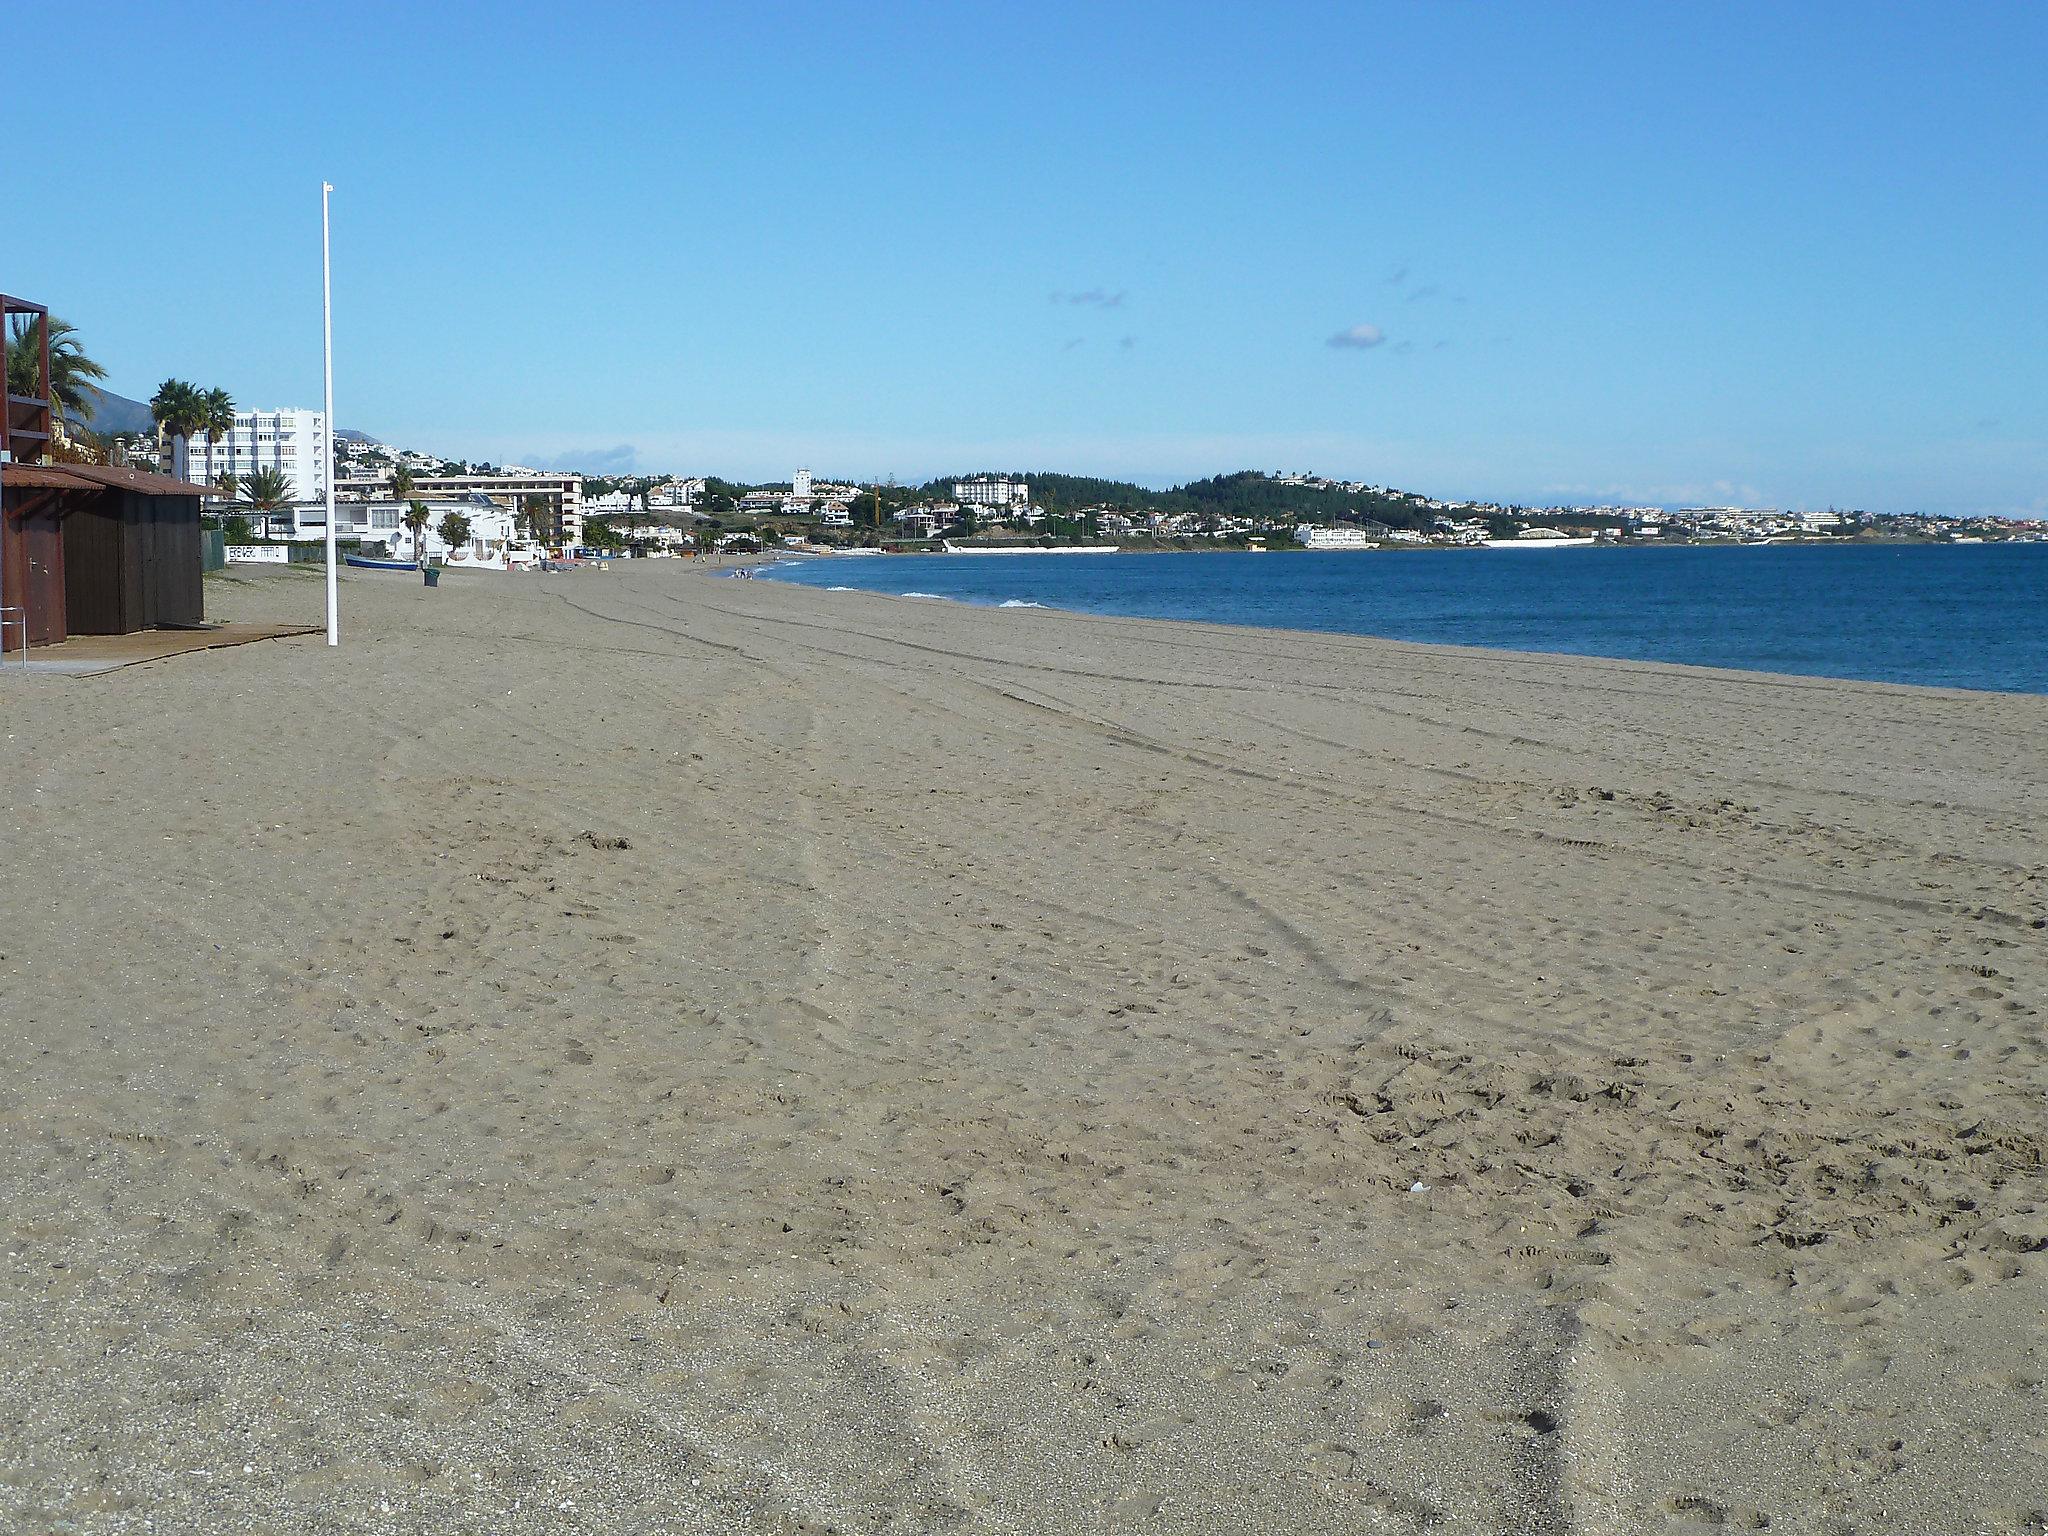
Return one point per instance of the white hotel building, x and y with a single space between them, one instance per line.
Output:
509 488
1366 535
292 441
987 492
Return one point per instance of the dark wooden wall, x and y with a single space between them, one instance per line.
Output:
98 596
132 562
173 585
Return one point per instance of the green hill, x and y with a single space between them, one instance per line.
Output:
1247 493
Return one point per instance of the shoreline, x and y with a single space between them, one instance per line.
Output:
643 1042
766 572
1447 649
1211 547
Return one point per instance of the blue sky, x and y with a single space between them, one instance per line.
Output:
1781 254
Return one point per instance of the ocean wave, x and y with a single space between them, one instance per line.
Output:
842 589
1017 602
938 597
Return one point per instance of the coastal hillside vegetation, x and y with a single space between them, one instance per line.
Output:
1246 493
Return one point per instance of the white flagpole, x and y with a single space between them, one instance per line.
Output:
327 449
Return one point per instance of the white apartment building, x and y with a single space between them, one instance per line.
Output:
677 493
291 441
564 494
800 487
992 493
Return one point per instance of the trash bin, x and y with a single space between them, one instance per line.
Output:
432 574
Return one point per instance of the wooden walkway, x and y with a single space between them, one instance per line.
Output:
83 655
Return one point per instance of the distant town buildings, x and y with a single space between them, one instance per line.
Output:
805 497
293 442
1316 513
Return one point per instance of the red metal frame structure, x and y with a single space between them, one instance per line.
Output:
27 423
31 540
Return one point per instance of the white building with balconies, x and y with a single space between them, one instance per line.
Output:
561 494
293 442
985 491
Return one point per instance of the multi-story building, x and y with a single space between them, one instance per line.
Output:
293 442
1365 535
987 492
563 495
375 519
677 493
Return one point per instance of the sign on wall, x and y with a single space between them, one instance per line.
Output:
258 554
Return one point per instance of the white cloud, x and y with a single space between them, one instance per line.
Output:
1359 337
622 459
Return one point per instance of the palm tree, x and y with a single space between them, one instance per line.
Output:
269 489
175 408
401 485
416 524
538 518
70 369
228 484
24 359
216 409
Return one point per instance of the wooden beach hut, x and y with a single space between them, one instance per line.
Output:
95 549
87 549
131 553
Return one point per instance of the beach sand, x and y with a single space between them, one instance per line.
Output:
629 1051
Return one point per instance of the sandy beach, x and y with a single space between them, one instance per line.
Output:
631 1051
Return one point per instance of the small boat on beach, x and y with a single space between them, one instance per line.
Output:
373 563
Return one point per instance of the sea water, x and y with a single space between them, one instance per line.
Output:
1958 616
